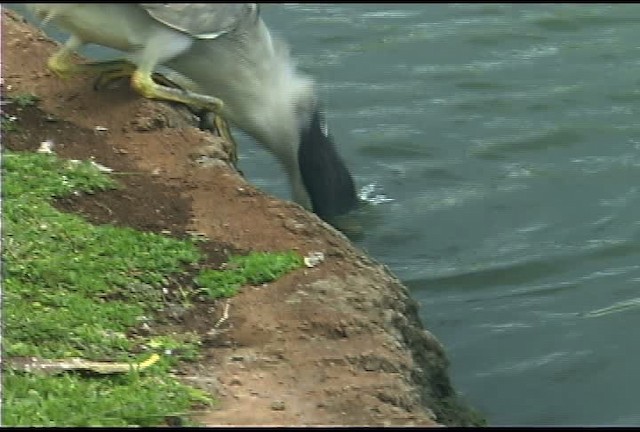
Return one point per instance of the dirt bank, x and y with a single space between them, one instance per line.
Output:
338 344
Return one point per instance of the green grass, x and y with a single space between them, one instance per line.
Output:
24 100
72 400
72 289
255 268
9 123
59 269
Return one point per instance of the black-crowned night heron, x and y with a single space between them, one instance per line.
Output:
226 61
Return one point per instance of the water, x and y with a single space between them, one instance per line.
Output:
506 140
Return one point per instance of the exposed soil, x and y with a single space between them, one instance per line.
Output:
337 344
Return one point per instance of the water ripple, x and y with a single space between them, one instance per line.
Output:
534 140
511 368
617 307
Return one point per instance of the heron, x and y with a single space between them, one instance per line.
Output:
224 60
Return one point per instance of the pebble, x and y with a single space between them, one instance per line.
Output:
278 405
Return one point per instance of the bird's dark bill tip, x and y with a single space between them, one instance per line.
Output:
325 176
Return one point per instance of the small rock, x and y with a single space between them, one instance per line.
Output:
370 367
431 414
235 381
173 421
313 259
278 405
144 329
46 147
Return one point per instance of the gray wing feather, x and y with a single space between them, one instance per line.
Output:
201 20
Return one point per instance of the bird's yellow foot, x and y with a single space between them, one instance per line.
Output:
219 126
110 72
175 89
61 65
118 70
143 84
208 119
223 130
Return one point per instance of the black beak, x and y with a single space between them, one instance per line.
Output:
325 176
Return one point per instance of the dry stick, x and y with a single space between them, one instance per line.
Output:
104 207
225 315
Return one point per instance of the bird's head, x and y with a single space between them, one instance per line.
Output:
285 115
